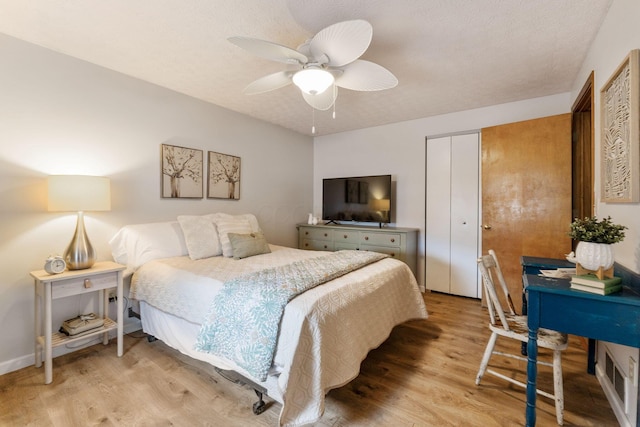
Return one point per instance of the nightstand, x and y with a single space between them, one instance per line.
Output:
48 287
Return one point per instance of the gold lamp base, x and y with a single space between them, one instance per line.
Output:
80 255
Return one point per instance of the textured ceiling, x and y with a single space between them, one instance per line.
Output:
448 55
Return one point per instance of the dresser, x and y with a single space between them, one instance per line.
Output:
399 243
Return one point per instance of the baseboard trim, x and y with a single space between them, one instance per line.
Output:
131 325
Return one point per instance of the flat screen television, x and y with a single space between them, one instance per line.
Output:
357 199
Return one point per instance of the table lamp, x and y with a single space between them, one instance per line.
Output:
79 193
382 205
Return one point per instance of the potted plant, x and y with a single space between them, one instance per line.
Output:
594 241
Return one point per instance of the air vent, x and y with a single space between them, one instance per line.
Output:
615 377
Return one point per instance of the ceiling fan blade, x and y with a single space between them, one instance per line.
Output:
270 82
269 50
322 101
343 42
366 76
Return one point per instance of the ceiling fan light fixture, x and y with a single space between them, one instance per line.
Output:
313 81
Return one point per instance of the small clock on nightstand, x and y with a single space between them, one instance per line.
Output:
55 265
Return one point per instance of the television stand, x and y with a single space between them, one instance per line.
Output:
400 243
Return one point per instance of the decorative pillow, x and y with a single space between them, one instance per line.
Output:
246 245
200 235
228 225
253 221
134 245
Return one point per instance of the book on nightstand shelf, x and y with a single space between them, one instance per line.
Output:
600 291
593 281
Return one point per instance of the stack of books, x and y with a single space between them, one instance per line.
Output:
591 283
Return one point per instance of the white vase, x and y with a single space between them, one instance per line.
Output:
594 255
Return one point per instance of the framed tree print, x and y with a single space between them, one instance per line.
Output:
224 176
181 172
620 138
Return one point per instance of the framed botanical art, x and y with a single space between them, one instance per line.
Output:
620 137
224 176
181 175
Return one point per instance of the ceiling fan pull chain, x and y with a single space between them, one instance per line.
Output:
313 121
335 89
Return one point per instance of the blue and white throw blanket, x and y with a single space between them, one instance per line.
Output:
243 322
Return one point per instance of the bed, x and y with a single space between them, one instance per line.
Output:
179 268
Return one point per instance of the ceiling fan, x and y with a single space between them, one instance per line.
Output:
322 64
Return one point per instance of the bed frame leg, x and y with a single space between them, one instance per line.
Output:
259 407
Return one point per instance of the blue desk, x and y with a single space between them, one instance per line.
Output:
552 304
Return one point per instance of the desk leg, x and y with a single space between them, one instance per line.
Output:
105 313
532 373
523 346
120 315
48 350
591 357
38 321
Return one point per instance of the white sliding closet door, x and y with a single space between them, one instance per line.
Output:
452 214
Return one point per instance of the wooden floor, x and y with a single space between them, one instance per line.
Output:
423 375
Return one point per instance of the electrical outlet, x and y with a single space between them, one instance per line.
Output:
112 296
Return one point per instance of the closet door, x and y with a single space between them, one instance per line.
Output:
452 224
438 210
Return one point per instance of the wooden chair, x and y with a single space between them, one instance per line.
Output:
515 327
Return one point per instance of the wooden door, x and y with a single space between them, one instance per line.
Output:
526 193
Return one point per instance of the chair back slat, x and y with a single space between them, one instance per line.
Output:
502 282
487 263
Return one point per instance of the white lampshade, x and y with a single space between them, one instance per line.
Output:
382 204
78 193
313 80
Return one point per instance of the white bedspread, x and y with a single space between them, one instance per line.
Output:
326 332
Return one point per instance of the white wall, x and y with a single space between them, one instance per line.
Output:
399 149
619 34
59 115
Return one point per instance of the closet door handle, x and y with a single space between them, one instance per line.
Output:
486 227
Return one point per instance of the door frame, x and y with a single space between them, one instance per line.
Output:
583 152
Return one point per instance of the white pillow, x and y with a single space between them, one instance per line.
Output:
134 245
231 224
253 221
200 235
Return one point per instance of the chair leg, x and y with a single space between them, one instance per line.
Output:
487 355
558 386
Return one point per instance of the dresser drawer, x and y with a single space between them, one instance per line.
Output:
380 239
346 246
75 286
317 245
392 252
317 234
346 236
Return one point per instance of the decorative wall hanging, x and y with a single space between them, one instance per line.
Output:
224 176
620 137
181 172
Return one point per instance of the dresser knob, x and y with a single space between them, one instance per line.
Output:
87 283
393 255
345 236
306 233
366 237
325 234
393 240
